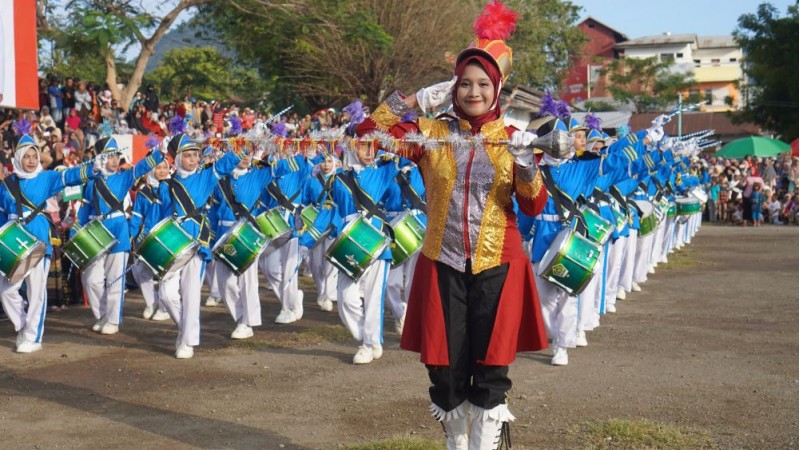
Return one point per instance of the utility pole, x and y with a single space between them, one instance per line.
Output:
589 80
680 115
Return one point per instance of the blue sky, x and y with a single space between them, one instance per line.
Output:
637 18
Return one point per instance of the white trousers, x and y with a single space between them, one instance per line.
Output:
658 239
214 286
642 261
616 252
180 294
240 294
30 323
629 260
363 317
323 272
589 299
144 278
669 238
280 268
104 284
398 286
559 311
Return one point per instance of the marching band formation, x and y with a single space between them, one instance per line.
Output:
482 240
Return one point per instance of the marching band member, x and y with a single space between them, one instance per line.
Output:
22 197
147 213
210 155
473 302
183 196
104 199
281 265
317 193
233 199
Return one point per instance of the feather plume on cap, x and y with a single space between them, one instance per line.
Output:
496 22
22 126
176 125
356 112
105 129
236 126
553 107
592 122
151 142
279 129
623 130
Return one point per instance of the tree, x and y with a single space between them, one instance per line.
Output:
770 46
106 26
204 73
649 84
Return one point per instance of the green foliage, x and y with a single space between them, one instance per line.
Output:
643 434
599 106
770 46
404 443
648 83
206 74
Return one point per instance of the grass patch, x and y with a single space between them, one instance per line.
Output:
403 443
309 337
685 258
643 434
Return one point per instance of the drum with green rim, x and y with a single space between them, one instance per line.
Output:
409 232
688 206
673 210
570 262
274 227
648 221
240 246
598 229
89 243
699 194
20 251
167 248
620 216
359 244
309 215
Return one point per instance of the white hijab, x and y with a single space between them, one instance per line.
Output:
548 160
17 163
183 173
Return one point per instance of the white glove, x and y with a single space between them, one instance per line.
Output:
660 121
520 146
432 97
655 133
99 163
669 143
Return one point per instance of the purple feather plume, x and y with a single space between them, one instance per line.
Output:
236 126
356 112
592 122
22 126
279 129
549 106
151 141
176 125
563 111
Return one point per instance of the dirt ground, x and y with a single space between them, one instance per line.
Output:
710 343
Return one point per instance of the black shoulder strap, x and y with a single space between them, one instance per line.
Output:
563 203
409 193
101 189
179 193
238 209
148 193
363 201
12 184
276 193
326 187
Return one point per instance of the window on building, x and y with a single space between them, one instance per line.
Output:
667 57
696 62
732 60
709 96
679 55
715 61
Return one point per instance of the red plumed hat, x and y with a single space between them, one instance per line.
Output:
495 24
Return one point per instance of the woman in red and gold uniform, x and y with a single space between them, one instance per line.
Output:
473 302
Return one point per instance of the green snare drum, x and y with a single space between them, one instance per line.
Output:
357 247
648 222
20 251
240 246
274 227
89 243
309 215
570 262
688 206
409 232
167 248
598 229
672 211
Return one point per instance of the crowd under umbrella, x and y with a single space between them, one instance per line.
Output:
753 146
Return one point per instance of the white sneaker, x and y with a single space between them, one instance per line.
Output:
212 301
184 352
109 328
242 331
99 325
148 312
160 315
286 316
28 347
635 287
399 324
611 308
651 270
377 351
560 357
663 260
363 355
325 304
298 306
621 294
581 339
20 338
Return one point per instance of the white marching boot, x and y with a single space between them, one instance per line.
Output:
490 429
455 425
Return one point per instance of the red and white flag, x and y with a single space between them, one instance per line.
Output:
19 78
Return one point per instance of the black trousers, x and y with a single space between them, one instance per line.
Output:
469 303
